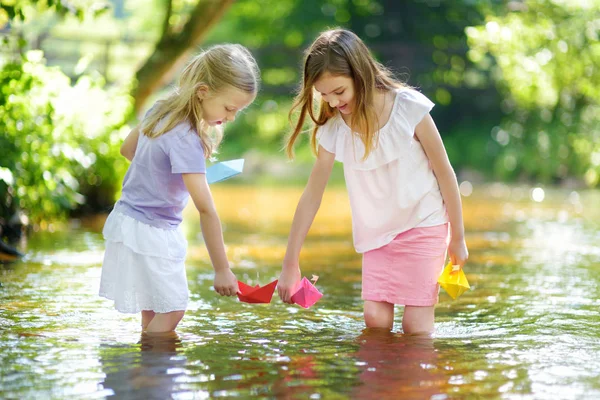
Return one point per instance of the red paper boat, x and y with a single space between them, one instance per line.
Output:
256 294
307 294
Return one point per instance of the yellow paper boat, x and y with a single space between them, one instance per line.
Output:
453 281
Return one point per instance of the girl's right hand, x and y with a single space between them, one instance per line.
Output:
225 282
457 252
288 279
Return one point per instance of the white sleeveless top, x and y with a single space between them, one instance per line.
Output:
394 189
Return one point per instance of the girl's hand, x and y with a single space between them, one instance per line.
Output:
288 279
457 250
225 282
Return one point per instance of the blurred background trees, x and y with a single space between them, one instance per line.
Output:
516 84
544 57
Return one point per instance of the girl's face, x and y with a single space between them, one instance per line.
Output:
222 106
337 90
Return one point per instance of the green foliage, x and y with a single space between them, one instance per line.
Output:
59 141
545 56
277 32
21 9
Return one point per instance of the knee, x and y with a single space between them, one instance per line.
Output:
377 318
177 316
418 320
165 322
412 328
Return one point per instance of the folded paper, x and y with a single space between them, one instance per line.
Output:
224 170
453 280
256 294
307 294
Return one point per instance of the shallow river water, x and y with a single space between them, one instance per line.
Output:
528 329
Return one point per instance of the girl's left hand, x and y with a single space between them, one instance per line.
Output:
457 250
225 283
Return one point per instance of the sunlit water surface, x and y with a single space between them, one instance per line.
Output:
529 328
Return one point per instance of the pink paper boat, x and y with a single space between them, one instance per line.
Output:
307 294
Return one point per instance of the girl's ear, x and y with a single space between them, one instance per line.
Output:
202 91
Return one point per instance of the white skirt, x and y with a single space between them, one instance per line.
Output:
143 267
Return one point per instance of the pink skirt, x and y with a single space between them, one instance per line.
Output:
406 270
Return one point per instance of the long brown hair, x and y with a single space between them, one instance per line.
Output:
216 68
341 52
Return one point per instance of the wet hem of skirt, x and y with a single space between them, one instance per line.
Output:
139 309
403 302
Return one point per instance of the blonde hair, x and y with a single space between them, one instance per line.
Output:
341 53
216 68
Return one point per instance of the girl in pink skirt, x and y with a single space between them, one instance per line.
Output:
406 207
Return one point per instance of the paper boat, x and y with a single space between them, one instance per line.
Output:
224 170
256 294
453 281
307 294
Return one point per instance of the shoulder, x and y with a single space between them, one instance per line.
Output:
331 127
181 136
156 107
412 106
409 96
180 132
330 136
185 135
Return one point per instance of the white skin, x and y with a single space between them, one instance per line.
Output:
218 108
222 106
338 91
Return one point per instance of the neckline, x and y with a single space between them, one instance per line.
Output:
396 95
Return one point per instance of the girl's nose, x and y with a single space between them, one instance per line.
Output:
333 103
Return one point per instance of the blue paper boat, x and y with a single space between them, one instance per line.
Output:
224 170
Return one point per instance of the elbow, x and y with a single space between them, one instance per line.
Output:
205 210
312 201
208 215
445 172
317 203
127 153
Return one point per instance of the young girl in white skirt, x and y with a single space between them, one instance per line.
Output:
143 269
403 191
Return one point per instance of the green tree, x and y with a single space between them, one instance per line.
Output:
545 58
21 10
59 140
176 40
57 155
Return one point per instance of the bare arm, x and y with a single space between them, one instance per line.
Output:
225 281
309 204
431 141
130 144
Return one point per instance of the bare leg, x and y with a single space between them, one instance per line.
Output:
379 314
147 316
160 342
418 319
165 322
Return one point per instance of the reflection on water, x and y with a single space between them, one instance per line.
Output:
154 371
528 329
398 366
